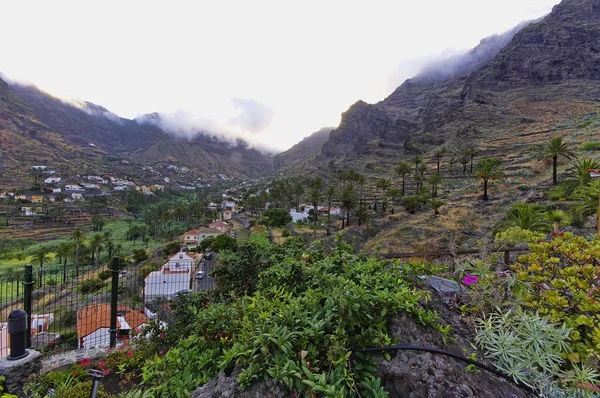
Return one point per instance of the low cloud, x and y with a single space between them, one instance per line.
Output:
253 118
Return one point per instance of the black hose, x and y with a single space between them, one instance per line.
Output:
442 352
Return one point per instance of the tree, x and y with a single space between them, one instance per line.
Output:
330 193
489 169
383 184
438 155
578 174
96 241
417 160
277 217
470 153
412 203
315 195
348 198
394 194
435 205
452 160
434 180
224 242
78 239
526 216
40 257
361 212
63 251
552 150
558 217
464 160
402 169
298 189
587 196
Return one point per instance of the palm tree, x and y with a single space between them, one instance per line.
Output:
435 205
96 241
558 217
464 160
579 174
552 150
435 179
394 194
348 198
421 175
438 155
417 160
402 170
63 251
298 190
315 196
361 213
330 193
587 196
41 256
78 239
526 216
470 152
383 184
452 160
489 169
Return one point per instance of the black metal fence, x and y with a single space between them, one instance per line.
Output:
93 305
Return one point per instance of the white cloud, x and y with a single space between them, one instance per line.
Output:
308 61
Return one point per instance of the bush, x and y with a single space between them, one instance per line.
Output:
285 233
140 255
563 279
104 275
590 146
91 285
277 217
223 242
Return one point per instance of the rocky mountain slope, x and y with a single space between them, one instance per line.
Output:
90 130
305 149
487 92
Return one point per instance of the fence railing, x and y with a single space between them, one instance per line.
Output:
90 305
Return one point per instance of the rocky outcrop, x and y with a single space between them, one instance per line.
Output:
227 387
305 149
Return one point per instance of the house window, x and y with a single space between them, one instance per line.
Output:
203 236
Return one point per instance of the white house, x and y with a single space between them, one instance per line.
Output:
52 180
56 190
93 324
298 216
181 262
161 284
40 323
73 188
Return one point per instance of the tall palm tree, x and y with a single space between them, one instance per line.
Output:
558 217
489 169
315 195
383 184
552 150
402 169
470 153
348 198
78 239
421 173
361 212
41 256
298 189
438 155
435 179
330 194
452 159
464 160
96 241
393 194
417 160
63 251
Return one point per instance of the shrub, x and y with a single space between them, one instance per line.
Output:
91 285
285 233
139 255
277 217
590 146
104 275
563 285
223 242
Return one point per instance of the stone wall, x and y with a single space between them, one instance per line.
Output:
16 372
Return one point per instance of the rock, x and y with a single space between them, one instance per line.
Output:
445 286
414 374
42 341
16 372
227 387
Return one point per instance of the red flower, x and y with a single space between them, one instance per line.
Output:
73 374
101 364
85 362
106 372
129 353
562 234
553 233
161 335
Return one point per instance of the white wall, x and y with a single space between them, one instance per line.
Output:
99 338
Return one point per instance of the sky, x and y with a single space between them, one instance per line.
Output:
271 72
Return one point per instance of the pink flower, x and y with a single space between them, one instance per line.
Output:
129 353
106 372
101 364
470 279
161 335
161 352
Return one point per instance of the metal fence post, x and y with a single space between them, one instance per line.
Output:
114 294
27 293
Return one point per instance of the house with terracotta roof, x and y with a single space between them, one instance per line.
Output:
220 225
204 233
191 237
93 324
